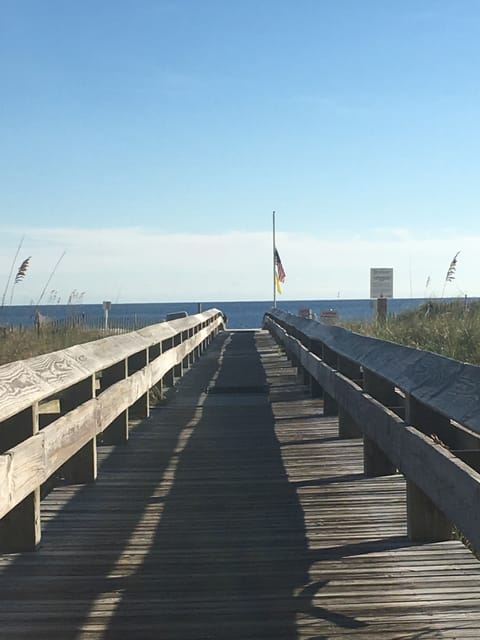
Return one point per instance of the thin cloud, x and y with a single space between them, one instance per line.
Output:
148 265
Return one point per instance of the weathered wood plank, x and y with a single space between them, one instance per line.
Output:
28 381
447 386
451 484
236 516
30 463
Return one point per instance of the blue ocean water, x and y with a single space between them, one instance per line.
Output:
240 315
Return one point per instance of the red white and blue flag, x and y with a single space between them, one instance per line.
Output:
280 270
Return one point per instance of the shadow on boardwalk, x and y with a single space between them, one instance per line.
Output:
230 548
189 532
193 530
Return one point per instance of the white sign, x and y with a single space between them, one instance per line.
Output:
381 283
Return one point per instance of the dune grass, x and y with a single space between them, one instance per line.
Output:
451 329
18 344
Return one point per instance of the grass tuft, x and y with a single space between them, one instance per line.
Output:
22 343
451 329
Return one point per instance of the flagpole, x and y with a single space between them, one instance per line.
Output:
273 258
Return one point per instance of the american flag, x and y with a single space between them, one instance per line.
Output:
280 271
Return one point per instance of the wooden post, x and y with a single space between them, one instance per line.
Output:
375 462
117 432
425 522
382 310
82 467
20 528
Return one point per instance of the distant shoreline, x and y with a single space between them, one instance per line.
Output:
240 314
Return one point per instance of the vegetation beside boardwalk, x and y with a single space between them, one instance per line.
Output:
451 329
22 343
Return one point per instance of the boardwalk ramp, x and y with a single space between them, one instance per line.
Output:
235 511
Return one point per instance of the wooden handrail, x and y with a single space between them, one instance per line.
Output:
363 380
27 381
450 387
96 384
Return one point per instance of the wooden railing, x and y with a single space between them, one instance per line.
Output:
54 408
418 413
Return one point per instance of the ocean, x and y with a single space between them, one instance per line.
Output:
240 315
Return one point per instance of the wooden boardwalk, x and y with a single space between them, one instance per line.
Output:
235 511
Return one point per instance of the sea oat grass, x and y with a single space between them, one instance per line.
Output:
18 344
451 329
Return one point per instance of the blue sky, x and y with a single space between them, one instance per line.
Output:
151 140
